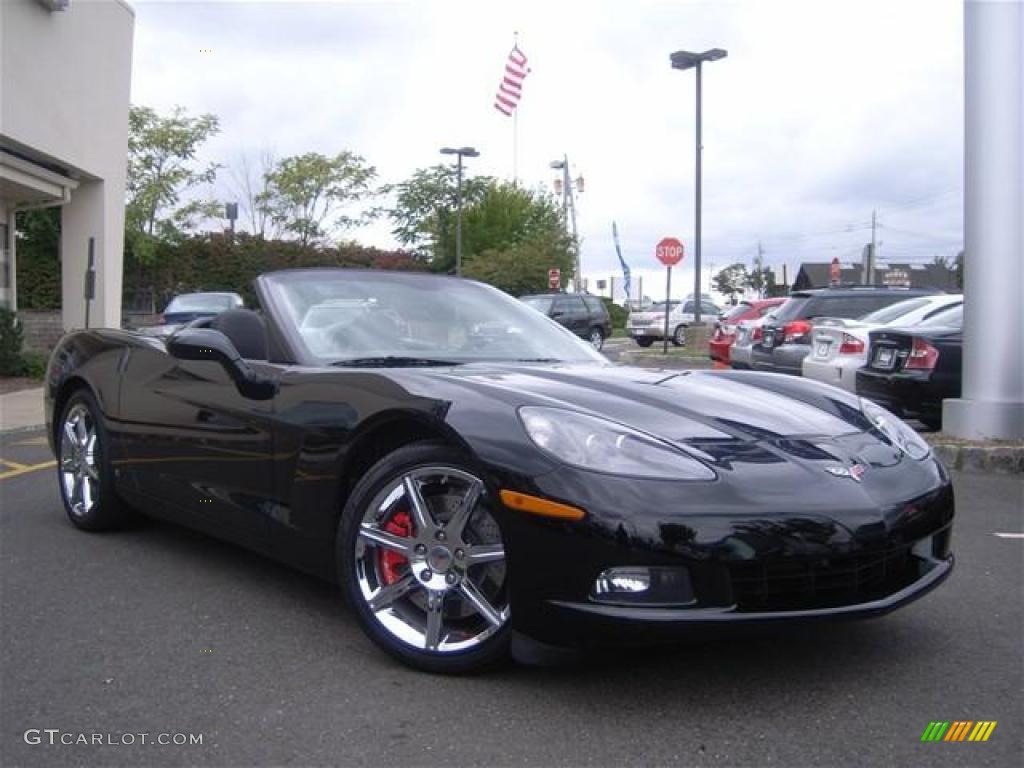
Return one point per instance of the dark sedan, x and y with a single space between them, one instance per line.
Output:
786 339
912 371
187 307
477 479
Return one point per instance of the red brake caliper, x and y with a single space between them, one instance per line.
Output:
391 562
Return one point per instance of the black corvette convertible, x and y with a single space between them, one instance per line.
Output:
476 477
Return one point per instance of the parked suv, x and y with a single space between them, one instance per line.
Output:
581 313
786 339
649 326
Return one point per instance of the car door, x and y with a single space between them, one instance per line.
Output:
578 318
193 448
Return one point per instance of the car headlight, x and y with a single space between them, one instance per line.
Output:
895 430
594 443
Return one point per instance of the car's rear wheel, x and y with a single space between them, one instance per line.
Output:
84 472
422 560
679 336
596 338
644 342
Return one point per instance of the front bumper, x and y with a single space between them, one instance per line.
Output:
614 624
835 554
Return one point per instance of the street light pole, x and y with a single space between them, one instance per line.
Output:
569 211
687 60
459 153
697 296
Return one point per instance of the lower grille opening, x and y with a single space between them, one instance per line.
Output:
825 582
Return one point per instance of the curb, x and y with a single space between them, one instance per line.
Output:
21 430
999 460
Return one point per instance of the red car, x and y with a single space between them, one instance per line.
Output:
725 328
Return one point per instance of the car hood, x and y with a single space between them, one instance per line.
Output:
681 406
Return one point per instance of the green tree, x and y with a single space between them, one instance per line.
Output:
521 268
161 169
732 281
512 236
959 265
423 215
305 193
39 270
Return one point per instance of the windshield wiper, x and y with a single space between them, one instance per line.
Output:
392 361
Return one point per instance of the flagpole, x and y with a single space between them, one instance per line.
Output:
515 123
515 147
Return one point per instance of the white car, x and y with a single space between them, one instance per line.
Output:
839 347
649 326
747 332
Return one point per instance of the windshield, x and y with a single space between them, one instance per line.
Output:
659 306
345 315
740 309
894 312
950 318
200 302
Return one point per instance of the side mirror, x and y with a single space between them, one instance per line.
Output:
207 344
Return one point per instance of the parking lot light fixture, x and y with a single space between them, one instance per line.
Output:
460 153
689 60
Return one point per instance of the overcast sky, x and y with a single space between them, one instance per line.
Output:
822 112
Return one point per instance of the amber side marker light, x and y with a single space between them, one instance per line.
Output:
534 505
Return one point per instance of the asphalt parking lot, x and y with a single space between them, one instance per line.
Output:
158 630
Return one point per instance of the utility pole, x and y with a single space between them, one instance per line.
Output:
872 256
759 281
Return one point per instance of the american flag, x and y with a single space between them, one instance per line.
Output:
511 86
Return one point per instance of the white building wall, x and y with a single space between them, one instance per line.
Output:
65 81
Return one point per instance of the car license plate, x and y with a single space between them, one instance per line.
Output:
885 357
821 350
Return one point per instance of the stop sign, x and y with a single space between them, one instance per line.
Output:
669 251
554 278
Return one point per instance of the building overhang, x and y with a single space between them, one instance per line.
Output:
24 184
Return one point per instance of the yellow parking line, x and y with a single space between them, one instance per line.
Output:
25 469
32 441
13 464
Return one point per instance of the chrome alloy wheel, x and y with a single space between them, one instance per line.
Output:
430 561
596 339
79 467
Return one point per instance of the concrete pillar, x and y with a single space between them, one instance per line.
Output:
95 210
992 400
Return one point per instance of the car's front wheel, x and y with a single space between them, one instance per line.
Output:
679 336
596 338
422 560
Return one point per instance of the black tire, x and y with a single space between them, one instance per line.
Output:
644 342
679 336
107 511
596 338
933 423
383 475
